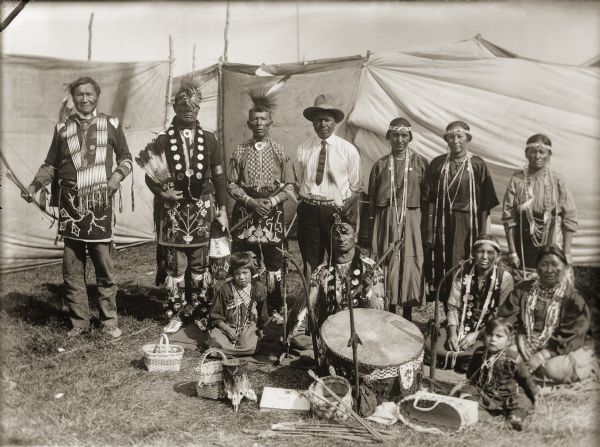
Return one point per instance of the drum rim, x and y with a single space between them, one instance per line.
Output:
370 367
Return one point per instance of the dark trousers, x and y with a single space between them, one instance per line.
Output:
268 254
314 232
74 259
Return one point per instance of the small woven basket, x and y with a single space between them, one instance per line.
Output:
161 356
210 380
323 405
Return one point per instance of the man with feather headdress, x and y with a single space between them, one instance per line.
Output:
190 191
79 164
260 180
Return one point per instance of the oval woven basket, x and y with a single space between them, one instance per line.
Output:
161 356
323 405
210 380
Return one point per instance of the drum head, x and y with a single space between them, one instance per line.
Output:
387 339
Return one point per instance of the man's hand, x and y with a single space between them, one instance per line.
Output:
29 194
171 195
261 206
221 217
452 340
468 341
113 183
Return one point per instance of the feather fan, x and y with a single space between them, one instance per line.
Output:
154 162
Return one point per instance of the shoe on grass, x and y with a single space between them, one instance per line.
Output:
515 422
76 332
173 326
277 318
112 331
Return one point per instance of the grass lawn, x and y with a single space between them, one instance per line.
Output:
97 392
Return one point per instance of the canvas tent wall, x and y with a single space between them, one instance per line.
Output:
32 91
505 99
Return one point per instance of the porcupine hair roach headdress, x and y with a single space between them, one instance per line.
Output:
262 101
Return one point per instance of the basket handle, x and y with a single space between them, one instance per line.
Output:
207 353
163 342
424 409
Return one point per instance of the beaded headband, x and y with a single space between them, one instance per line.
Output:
487 241
542 145
399 129
457 130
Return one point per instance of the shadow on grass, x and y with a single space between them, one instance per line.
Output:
141 303
33 309
186 389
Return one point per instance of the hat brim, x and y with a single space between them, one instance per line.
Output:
309 113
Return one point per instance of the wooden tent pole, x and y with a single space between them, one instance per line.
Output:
91 23
226 34
169 82
194 58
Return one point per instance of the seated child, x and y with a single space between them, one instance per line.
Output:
239 309
499 378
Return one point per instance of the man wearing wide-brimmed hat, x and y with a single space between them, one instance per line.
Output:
327 172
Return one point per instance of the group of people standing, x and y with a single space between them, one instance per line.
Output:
425 218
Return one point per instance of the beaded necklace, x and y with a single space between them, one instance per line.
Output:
393 187
556 294
443 190
468 280
539 228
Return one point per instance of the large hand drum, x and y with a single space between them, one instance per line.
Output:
390 356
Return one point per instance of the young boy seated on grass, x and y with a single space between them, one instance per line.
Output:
239 309
498 377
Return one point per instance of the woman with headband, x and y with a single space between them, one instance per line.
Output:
396 190
460 194
479 288
552 321
534 197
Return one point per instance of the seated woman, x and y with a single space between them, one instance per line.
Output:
479 288
239 309
552 320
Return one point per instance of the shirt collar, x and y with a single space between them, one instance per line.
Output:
329 140
90 116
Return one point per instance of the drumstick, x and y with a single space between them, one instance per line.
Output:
351 412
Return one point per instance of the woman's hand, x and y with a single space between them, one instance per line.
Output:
522 347
171 195
468 341
452 341
229 332
536 360
513 260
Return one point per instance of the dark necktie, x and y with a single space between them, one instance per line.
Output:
321 165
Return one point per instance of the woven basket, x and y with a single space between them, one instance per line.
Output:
161 356
323 405
210 380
